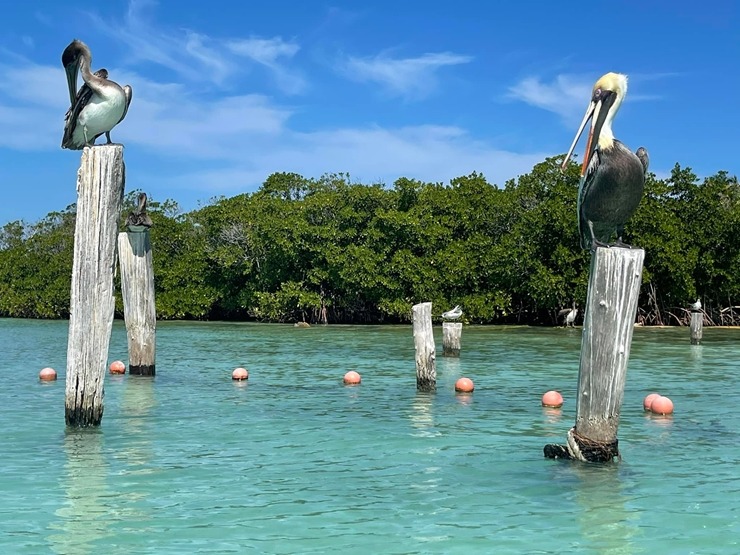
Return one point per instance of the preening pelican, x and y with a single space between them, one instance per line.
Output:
97 107
138 219
612 177
453 314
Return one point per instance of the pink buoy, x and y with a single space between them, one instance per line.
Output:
48 375
240 374
352 378
552 399
648 400
117 367
662 405
464 385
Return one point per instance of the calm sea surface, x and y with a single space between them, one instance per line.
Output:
295 462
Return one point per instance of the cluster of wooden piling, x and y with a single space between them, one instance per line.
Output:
100 185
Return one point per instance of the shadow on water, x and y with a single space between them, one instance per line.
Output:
85 517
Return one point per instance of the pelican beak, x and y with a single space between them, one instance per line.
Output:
71 70
591 112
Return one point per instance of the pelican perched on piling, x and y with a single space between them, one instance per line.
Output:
453 314
696 307
138 219
612 177
97 107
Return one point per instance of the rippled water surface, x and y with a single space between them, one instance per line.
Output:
295 462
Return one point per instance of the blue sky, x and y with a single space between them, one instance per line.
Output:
228 92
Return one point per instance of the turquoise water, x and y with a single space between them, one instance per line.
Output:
292 461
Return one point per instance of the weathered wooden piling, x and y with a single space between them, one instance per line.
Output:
697 321
613 290
451 338
137 287
426 373
100 183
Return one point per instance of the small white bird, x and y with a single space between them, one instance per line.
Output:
453 314
696 306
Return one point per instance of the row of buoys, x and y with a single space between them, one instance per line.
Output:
657 404
654 402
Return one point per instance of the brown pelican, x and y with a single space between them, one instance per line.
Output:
138 219
453 314
612 177
97 107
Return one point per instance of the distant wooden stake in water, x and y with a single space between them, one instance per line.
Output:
697 321
451 338
613 290
137 286
100 183
426 373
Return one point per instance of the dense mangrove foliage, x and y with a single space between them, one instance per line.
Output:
331 250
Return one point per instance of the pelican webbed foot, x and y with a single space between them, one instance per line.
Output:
595 244
621 244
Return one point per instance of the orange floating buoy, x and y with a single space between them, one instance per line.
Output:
552 399
48 375
240 374
648 400
117 367
352 378
464 385
662 405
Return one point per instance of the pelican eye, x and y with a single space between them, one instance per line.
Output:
597 94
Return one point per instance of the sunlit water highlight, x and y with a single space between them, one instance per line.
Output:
293 461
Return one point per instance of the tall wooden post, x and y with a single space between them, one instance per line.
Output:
613 290
426 373
451 336
137 286
100 183
697 321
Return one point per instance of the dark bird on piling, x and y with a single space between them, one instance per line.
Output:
97 107
612 177
138 219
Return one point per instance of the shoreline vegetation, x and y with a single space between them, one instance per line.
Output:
330 250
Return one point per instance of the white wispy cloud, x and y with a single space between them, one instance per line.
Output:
566 95
270 53
408 77
196 56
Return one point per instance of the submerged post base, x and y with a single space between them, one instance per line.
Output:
83 417
426 384
583 449
141 370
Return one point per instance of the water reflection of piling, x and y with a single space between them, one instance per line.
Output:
85 517
422 416
606 524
